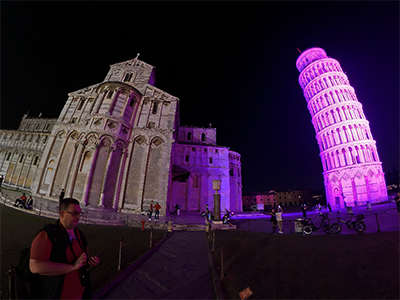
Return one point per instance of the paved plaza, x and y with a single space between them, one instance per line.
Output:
180 266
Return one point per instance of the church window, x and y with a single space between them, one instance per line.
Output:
155 105
85 163
74 120
211 161
37 126
8 156
195 181
21 158
203 137
132 102
128 77
36 160
81 104
44 139
189 136
47 127
193 149
187 158
230 172
110 93
205 149
373 155
216 150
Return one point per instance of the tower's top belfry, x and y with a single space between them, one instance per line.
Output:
309 56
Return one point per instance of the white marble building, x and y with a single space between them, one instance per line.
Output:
117 145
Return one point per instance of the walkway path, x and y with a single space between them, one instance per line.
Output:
178 269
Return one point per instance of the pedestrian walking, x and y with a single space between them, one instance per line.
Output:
151 210
178 210
303 209
273 220
157 212
397 199
279 218
207 211
1 180
330 208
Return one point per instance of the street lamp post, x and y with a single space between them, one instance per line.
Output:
217 200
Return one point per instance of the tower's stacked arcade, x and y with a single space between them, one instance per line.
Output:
352 170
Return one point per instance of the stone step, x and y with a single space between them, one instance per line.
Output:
189 227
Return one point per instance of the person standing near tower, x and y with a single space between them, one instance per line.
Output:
273 220
279 218
303 209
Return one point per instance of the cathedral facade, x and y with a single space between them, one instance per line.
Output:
118 145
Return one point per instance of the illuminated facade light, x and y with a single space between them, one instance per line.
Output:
351 167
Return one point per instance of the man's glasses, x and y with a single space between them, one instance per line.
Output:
75 214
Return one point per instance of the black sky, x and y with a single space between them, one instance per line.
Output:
231 64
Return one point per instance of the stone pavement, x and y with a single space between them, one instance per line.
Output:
178 269
48 207
181 267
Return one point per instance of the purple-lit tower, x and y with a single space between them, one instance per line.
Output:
352 170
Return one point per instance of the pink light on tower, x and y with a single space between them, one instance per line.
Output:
351 167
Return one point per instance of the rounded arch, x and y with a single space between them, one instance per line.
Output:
140 139
157 141
73 135
106 140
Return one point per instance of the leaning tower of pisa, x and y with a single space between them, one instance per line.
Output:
351 167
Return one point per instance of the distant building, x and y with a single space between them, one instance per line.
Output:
118 145
274 198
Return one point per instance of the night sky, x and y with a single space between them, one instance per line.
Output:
231 64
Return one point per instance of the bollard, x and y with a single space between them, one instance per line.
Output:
208 227
142 224
170 227
151 236
222 262
11 283
120 254
377 222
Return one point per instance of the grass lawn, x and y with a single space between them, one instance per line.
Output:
18 230
353 266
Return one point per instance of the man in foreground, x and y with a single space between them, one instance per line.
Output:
60 253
